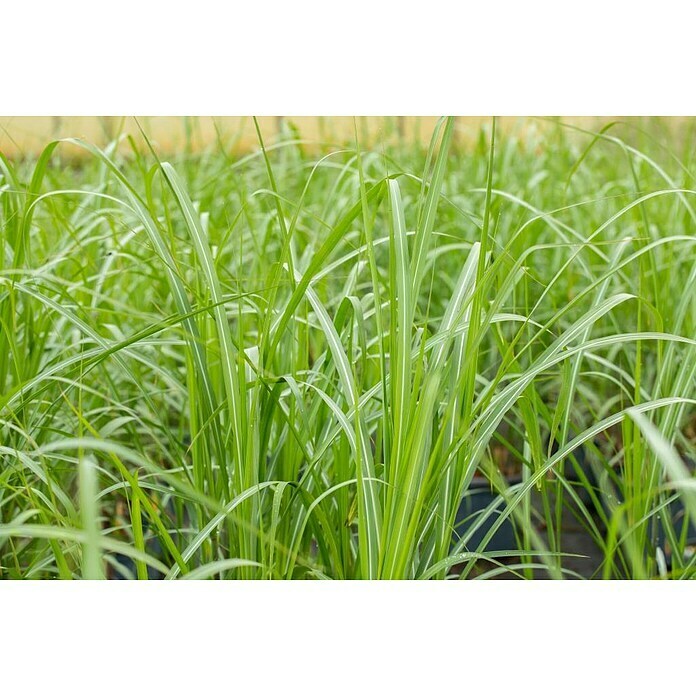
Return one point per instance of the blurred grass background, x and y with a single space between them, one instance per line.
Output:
26 135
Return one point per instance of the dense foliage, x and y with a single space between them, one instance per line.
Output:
293 364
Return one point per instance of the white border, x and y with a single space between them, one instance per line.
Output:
358 57
345 638
367 57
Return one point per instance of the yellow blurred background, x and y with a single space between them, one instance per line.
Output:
27 135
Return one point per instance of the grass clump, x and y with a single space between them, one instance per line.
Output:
293 365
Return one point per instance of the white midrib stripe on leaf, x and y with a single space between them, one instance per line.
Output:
372 515
454 313
227 348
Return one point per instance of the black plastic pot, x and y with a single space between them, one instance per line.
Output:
152 547
126 568
677 514
578 472
474 503
676 511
